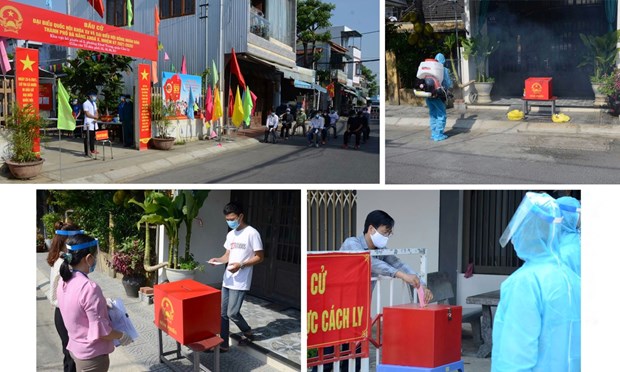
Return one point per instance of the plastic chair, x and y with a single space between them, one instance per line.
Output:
101 138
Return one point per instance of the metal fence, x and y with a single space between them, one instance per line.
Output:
331 218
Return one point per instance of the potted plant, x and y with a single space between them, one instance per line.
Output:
160 114
610 87
166 209
128 261
600 58
23 127
480 47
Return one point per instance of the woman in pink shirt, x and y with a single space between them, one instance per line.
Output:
63 231
84 309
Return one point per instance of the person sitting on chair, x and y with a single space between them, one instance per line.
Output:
272 125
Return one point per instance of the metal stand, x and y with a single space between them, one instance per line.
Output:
196 347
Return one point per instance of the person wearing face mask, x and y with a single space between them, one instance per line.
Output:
377 229
244 249
317 125
91 115
76 110
84 308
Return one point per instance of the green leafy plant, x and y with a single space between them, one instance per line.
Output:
312 16
89 71
171 211
49 219
610 83
600 56
189 263
23 127
160 114
479 48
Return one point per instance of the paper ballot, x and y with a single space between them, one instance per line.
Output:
215 263
120 320
421 296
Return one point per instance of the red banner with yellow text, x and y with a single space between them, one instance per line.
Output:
144 102
19 21
338 298
27 83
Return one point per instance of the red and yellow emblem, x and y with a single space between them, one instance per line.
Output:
537 88
168 310
11 19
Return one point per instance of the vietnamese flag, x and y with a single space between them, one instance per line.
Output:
234 69
98 5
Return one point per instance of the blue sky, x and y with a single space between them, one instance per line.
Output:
360 15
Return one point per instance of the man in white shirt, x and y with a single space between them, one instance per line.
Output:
91 115
316 127
272 125
244 249
333 119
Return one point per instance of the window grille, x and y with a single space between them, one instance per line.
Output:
331 218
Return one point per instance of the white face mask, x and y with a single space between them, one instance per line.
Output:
379 240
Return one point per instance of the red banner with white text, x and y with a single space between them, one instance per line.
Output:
27 83
19 21
338 298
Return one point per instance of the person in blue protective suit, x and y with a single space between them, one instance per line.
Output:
437 106
570 236
537 325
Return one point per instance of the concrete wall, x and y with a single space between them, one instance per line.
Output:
416 216
475 285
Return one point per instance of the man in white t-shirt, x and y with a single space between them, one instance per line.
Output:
90 123
244 249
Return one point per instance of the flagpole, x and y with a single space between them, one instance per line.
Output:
221 62
59 153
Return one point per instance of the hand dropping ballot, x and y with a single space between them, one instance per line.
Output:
421 298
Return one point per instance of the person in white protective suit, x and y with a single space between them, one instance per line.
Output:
570 237
537 325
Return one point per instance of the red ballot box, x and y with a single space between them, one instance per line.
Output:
187 310
421 337
539 88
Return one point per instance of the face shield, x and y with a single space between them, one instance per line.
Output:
534 228
571 212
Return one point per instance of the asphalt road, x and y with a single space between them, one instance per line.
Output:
288 161
499 157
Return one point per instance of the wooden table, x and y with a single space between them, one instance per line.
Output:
487 300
